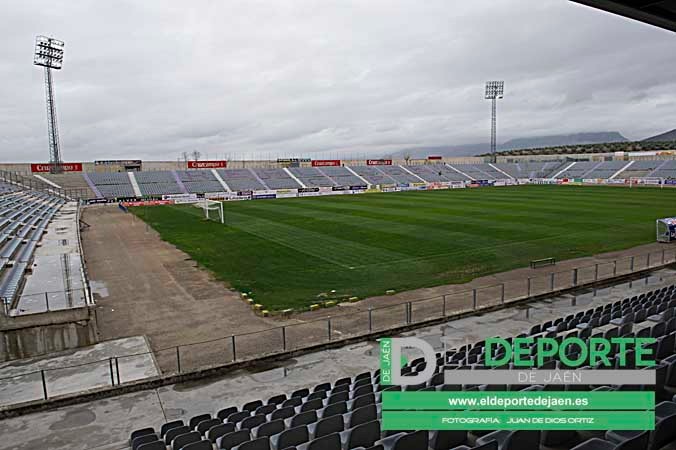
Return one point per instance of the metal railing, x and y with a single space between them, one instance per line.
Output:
359 322
44 302
28 182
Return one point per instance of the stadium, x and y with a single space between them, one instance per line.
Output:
258 303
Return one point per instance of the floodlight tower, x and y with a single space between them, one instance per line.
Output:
494 91
49 54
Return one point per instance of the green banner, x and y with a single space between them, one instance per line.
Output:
519 401
386 361
518 420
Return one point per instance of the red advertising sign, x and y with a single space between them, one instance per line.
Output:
325 162
207 164
67 167
378 162
434 157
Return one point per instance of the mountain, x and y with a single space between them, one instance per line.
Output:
563 139
512 144
668 136
441 150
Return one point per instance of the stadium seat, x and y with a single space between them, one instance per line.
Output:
199 445
328 442
363 435
175 431
141 432
443 440
143 439
329 425
256 444
405 441
155 445
290 437
512 440
182 440
231 440
219 430
638 442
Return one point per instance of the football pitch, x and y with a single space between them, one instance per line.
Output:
288 251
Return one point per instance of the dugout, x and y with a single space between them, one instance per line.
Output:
666 229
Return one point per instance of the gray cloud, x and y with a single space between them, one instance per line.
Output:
275 78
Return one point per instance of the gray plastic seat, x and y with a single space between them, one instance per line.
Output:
143 439
194 421
251 406
304 418
265 409
169 425
639 442
277 399
445 439
269 428
231 440
256 444
364 435
155 445
512 440
141 432
199 445
405 441
329 425
176 431
283 413
332 410
328 442
182 440
225 412
311 405
238 416
206 425
492 445
360 415
664 432
290 438
219 430
252 422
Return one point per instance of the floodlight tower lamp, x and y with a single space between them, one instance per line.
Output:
494 91
49 54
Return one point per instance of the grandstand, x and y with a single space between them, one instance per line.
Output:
40 258
156 183
346 412
199 181
311 177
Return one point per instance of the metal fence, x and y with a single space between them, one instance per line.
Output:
28 182
44 302
359 322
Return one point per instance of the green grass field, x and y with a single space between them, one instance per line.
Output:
288 251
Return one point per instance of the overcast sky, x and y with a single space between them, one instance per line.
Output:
151 79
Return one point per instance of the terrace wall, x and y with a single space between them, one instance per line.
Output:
37 334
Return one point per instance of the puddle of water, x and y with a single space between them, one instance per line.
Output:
98 288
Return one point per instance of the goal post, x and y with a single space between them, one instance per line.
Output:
211 205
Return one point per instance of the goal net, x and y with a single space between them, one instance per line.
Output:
211 208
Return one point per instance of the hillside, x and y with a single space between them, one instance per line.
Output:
668 136
557 140
563 140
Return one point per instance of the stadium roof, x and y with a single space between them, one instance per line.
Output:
659 13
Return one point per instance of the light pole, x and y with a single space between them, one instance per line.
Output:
49 54
494 91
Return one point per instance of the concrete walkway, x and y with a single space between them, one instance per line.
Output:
106 424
